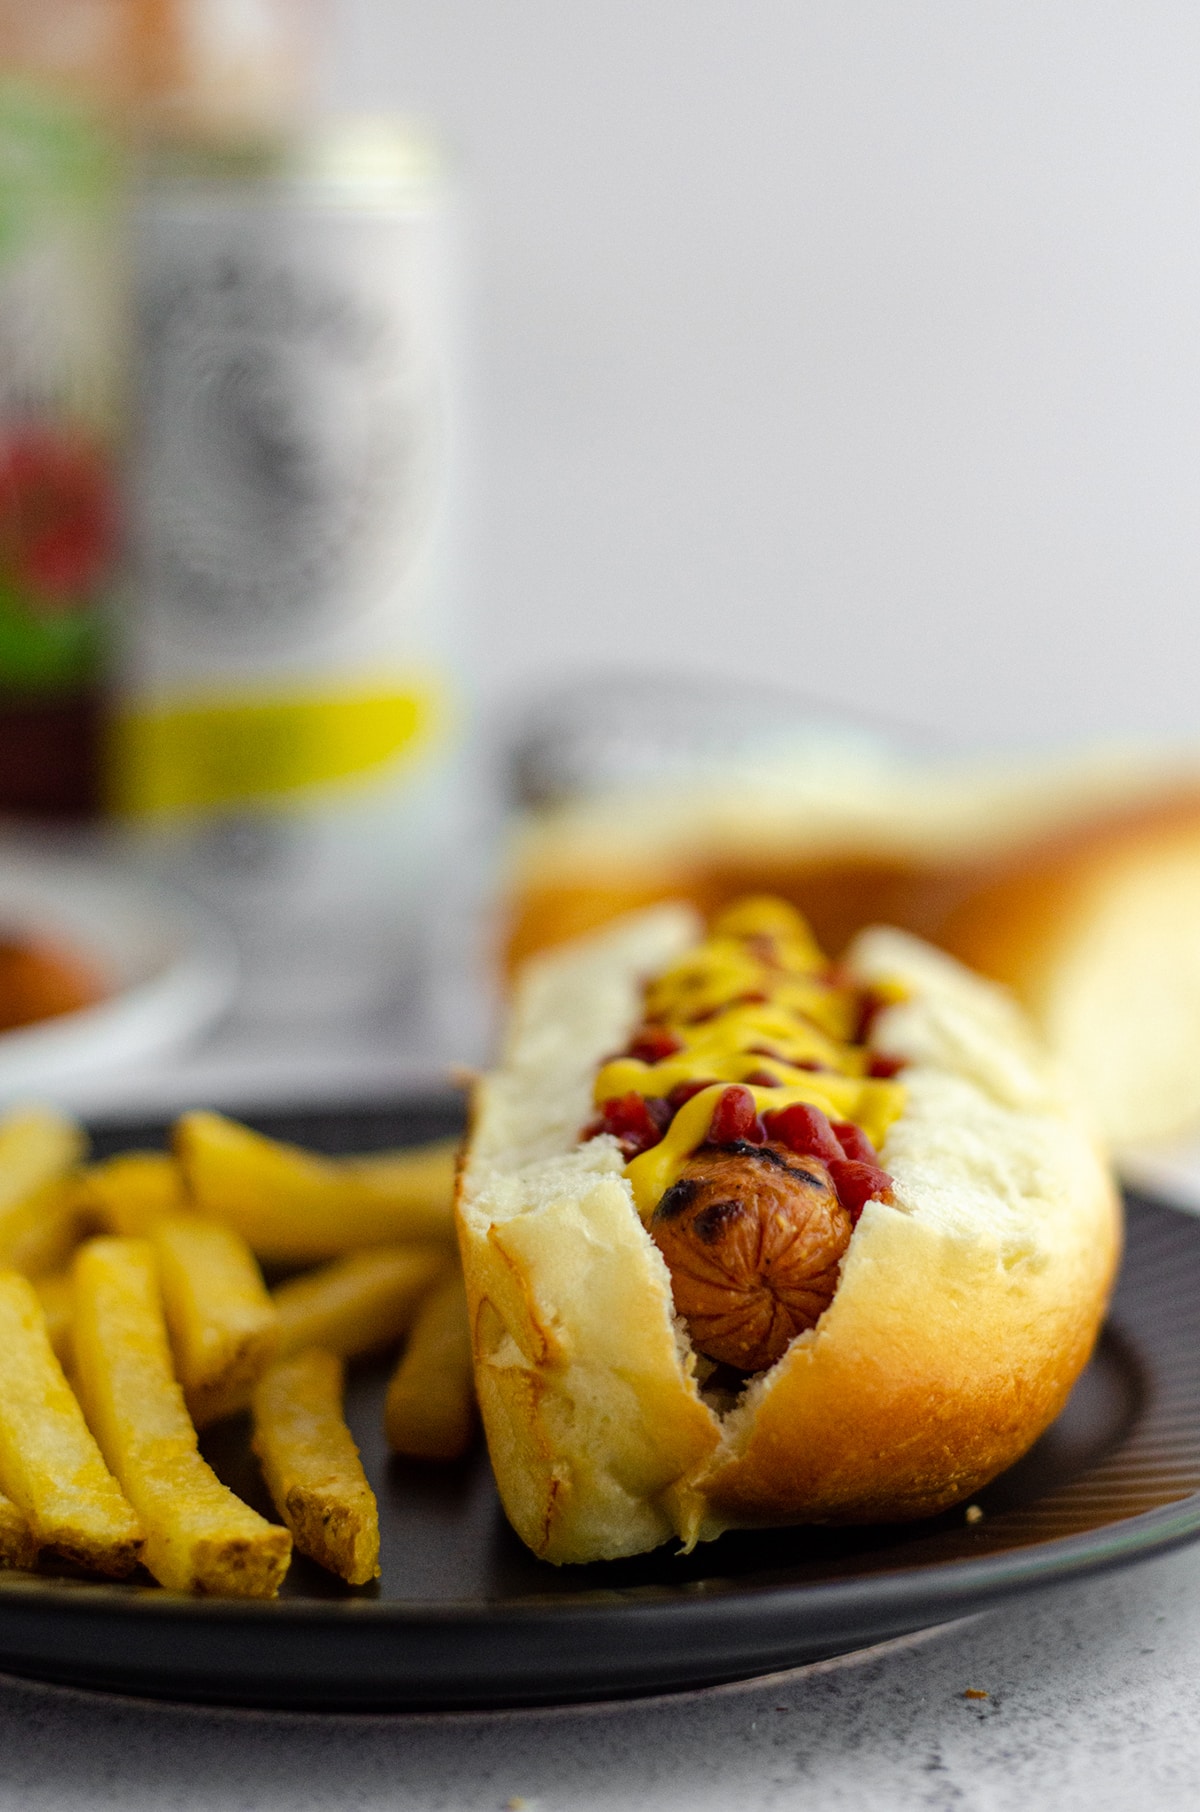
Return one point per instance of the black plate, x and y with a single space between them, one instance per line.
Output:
464 1616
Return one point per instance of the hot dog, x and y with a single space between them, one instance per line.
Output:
748 1240
1073 881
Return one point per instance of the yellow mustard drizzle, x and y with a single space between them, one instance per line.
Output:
762 948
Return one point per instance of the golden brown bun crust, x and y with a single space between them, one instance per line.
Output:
963 1315
589 1415
1086 914
839 896
1013 909
993 911
972 1376
1094 929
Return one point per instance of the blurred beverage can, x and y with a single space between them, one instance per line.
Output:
61 380
284 684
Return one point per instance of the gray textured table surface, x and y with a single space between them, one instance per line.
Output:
1093 1701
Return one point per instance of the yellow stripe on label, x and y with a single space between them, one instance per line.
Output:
203 753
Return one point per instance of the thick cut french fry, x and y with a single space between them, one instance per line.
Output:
18 1543
358 1303
39 1224
353 1306
57 1297
199 1536
41 1232
37 1145
223 1324
430 1408
312 1467
420 1180
296 1208
50 1466
128 1193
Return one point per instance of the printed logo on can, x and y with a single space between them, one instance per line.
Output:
289 443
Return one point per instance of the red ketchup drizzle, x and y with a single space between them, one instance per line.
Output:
854 1142
857 1184
683 1091
653 1043
735 1117
637 1121
870 1006
851 1159
806 1131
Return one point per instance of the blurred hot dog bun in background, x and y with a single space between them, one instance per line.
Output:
963 1314
1074 880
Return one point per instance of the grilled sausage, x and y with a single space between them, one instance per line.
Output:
753 1237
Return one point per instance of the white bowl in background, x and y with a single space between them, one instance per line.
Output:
170 970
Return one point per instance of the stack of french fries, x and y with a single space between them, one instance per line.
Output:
133 1313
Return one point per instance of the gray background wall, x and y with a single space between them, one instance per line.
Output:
854 341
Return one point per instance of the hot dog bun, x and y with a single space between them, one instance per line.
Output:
964 1312
1074 883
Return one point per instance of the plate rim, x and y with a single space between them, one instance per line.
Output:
1062 1558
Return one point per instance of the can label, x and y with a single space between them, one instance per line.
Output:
59 379
287 638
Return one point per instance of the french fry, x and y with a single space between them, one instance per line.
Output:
128 1193
223 1324
37 1144
39 1223
42 1232
199 1536
430 1409
58 1305
358 1303
297 1208
420 1179
18 1543
311 1465
50 1466
352 1306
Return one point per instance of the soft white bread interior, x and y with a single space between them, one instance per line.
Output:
964 1312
